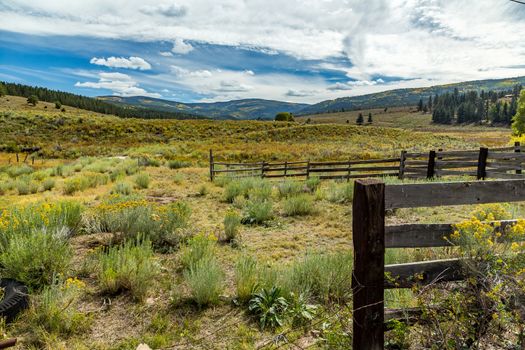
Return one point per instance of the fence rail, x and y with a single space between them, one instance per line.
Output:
371 237
497 163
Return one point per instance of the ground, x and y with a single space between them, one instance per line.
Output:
168 318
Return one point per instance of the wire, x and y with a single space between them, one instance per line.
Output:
518 1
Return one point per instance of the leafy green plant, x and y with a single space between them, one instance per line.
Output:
302 204
257 212
197 248
270 307
129 267
300 311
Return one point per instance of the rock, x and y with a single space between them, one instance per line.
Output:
143 347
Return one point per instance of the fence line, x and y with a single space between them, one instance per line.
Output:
497 163
371 237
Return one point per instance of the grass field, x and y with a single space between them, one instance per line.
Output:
201 272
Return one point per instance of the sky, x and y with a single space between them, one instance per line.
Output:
220 50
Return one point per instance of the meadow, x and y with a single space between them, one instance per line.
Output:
122 239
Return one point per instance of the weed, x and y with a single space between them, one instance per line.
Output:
142 180
122 188
246 276
270 306
340 192
205 278
197 248
231 223
302 204
178 164
48 184
257 212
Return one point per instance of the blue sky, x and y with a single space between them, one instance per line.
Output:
299 51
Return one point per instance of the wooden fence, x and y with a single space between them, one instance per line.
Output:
500 163
371 237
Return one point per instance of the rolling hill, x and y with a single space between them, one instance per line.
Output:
237 109
406 97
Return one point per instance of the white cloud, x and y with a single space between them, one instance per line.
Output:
301 93
120 84
180 47
233 86
349 85
122 62
182 72
168 10
249 72
166 54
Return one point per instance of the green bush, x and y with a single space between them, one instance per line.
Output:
246 278
122 188
48 184
129 267
199 247
83 182
270 306
231 223
36 257
313 183
289 188
142 180
205 279
302 204
178 164
248 188
19 170
340 192
257 212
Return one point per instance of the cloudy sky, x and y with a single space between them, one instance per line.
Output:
293 50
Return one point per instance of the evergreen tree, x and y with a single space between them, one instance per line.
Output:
420 105
461 114
370 118
360 120
518 121
32 100
3 90
429 103
58 105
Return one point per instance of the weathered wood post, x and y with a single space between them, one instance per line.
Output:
482 163
285 168
212 166
349 170
308 169
263 167
517 149
402 160
368 230
431 164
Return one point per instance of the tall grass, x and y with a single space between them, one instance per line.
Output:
232 221
340 192
257 212
142 180
289 188
205 279
302 204
83 182
122 188
246 278
197 248
129 267
248 188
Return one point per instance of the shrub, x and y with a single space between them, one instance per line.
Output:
129 267
197 248
55 309
289 188
127 218
35 257
205 279
146 161
203 190
178 164
302 204
248 188
246 278
312 183
284 117
231 223
83 182
257 212
23 187
270 306
142 180
48 184
122 188
19 170
340 192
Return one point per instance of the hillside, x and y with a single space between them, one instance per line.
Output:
237 109
407 97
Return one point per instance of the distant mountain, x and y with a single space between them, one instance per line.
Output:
407 97
237 109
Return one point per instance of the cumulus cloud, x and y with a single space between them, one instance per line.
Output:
122 62
183 72
120 84
300 93
233 86
166 54
181 47
168 10
249 72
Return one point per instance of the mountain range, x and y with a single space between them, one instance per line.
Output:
266 109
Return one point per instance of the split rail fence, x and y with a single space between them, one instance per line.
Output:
371 237
499 163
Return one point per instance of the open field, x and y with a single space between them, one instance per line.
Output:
205 250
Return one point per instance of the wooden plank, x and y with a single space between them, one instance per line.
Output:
354 162
377 168
431 235
365 175
457 153
236 170
456 173
369 264
415 154
454 193
455 164
423 273
237 164
287 163
286 169
520 156
328 170
416 162
282 175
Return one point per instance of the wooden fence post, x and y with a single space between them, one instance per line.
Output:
517 149
431 164
402 160
212 166
285 168
368 230
349 170
308 169
263 164
482 163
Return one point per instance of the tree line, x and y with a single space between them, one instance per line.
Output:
472 107
88 103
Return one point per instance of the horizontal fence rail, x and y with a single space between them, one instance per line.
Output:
496 163
371 237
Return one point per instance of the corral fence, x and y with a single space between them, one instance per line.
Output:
371 237
499 163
